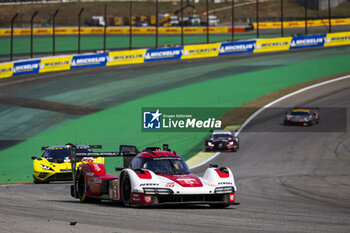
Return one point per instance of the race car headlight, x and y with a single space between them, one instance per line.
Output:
46 167
210 144
230 143
228 189
161 191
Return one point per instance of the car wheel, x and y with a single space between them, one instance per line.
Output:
219 206
81 189
286 123
125 189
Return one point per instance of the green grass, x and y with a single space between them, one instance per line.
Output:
122 124
21 45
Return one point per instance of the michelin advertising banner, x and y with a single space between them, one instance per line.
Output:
26 67
6 70
200 51
61 63
337 39
237 47
90 60
272 45
163 54
55 64
126 57
300 42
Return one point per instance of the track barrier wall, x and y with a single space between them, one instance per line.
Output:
296 24
121 30
60 63
171 30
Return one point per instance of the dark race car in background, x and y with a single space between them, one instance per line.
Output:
222 140
302 116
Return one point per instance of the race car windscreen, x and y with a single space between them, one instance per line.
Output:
299 113
166 166
222 136
56 155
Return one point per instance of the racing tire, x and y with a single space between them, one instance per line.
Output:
219 206
37 181
81 189
125 189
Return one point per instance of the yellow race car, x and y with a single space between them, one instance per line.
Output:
55 163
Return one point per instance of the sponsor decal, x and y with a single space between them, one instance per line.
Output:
6 70
187 181
170 185
148 198
91 60
126 57
180 119
114 189
26 67
237 47
307 41
163 54
225 183
272 45
149 184
198 51
65 170
55 64
232 197
335 39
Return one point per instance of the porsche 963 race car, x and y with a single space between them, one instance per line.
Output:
153 177
55 165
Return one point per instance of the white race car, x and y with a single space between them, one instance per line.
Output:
154 177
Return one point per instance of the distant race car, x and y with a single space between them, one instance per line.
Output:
302 116
153 177
222 140
55 163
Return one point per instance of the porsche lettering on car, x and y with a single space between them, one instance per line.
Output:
154 177
55 163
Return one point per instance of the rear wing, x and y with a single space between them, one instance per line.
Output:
128 152
91 147
312 109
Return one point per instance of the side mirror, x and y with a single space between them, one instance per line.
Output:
34 157
119 169
165 147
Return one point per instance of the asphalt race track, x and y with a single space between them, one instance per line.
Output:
287 182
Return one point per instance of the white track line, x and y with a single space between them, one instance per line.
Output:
255 114
285 97
205 161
